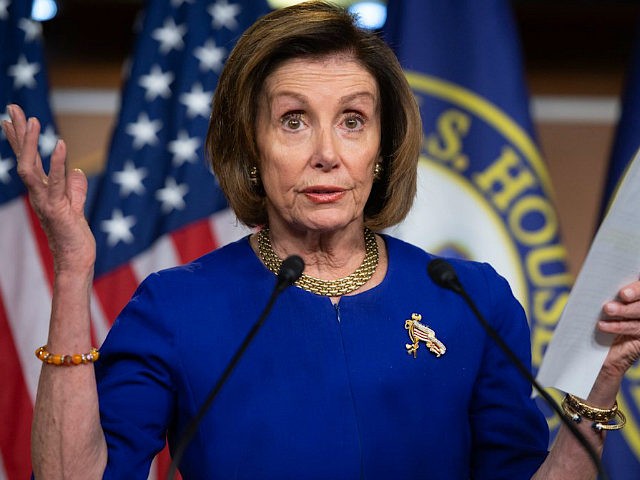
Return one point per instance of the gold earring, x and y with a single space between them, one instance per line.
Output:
253 177
377 171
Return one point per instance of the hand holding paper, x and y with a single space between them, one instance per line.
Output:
579 347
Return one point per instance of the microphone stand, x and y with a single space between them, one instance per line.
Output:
290 271
443 274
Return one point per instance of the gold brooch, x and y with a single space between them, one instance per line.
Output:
419 332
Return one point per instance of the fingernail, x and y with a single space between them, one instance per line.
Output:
30 123
610 308
627 293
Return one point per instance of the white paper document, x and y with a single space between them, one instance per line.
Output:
577 350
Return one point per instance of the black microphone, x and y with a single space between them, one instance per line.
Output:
290 271
444 275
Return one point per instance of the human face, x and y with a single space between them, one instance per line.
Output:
318 134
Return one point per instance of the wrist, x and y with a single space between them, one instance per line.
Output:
605 389
73 277
73 258
71 302
74 266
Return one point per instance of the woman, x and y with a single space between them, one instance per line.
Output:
314 138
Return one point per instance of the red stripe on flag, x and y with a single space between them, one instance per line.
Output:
194 240
41 240
15 403
114 290
163 461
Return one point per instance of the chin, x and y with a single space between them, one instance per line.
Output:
326 224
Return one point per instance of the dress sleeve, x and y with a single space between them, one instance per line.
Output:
135 386
509 433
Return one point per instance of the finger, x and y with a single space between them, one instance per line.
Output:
29 170
620 327
631 292
19 124
77 189
619 310
18 118
57 172
10 133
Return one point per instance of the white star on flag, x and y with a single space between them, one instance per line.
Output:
23 73
4 12
210 56
184 148
6 164
32 30
170 36
118 228
144 131
224 14
47 141
156 83
130 179
172 195
197 101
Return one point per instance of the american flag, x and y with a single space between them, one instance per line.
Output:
26 270
155 205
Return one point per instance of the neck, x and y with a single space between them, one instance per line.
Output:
327 255
335 287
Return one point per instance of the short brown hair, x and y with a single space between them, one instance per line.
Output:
311 29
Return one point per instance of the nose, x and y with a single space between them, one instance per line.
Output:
325 152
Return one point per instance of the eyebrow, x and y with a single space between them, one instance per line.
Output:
355 96
303 98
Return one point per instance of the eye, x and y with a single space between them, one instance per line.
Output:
353 122
292 121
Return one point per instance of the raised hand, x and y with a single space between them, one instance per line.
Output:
57 197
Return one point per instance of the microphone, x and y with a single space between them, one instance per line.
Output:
444 275
290 271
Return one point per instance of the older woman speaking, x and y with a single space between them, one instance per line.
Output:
366 369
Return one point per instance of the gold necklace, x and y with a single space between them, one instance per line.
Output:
328 288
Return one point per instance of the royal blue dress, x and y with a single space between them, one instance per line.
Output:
324 391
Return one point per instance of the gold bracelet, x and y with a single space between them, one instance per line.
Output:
599 426
574 404
576 409
67 360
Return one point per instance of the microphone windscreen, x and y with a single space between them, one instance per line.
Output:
290 270
443 274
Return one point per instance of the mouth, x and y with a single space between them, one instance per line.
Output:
324 194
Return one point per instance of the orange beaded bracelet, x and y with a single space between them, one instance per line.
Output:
67 360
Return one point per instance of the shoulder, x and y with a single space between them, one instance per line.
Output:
481 281
202 276
228 259
197 288
409 256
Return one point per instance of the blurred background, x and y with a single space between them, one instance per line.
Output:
575 53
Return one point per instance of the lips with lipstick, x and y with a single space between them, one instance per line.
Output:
324 194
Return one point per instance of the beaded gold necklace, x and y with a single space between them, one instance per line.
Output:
328 288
